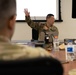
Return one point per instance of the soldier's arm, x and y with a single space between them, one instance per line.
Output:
55 31
31 23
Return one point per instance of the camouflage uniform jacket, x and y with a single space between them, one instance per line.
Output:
52 31
11 51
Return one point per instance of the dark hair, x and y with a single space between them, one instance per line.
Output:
49 15
7 10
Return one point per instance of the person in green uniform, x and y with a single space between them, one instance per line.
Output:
43 28
9 50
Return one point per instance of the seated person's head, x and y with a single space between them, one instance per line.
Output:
50 19
7 17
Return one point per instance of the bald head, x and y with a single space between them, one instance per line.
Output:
7 11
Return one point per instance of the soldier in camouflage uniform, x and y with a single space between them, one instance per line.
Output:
8 50
48 27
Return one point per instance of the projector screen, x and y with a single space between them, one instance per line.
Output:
38 9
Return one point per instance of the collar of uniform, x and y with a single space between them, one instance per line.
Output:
4 39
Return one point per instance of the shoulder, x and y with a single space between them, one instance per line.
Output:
17 51
32 51
38 51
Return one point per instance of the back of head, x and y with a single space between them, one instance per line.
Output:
7 11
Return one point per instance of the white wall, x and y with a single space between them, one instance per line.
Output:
22 32
67 28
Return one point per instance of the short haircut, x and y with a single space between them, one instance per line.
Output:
7 10
49 15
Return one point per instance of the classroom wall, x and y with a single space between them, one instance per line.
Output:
67 28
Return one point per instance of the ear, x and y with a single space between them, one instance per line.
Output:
11 22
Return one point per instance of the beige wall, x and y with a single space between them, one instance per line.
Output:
67 28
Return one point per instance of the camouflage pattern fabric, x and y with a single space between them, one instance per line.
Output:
11 51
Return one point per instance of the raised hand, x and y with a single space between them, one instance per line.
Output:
26 12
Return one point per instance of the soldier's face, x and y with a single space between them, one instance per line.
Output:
51 20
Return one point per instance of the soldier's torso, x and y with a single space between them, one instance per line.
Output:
50 31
